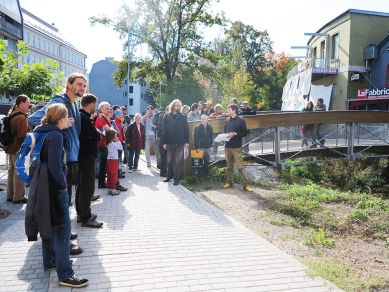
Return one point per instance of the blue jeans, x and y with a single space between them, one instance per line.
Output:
57 252
133 161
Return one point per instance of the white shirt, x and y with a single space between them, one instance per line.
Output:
113 148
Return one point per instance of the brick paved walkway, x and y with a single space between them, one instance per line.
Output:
156 237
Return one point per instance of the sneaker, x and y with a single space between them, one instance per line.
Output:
248 189
92 224
227 186
95 197
176 183
75 249
148 164
130 170
73 235
120 188
137 169
109 191
75 282
122 176
115 192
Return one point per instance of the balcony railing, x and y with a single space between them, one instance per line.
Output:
314 63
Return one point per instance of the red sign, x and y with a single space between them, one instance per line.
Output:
373 93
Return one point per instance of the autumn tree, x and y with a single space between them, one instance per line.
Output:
38 81
172 31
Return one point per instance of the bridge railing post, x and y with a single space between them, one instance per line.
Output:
277 148
350 140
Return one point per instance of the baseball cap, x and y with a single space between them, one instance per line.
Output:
208 102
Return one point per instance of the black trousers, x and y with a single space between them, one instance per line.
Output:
174 154
102 165
72 170
163 164
85 186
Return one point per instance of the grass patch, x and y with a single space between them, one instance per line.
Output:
343 275
319 237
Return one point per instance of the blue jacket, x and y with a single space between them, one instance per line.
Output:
71 133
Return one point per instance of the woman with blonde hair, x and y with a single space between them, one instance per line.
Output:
48 207
135 139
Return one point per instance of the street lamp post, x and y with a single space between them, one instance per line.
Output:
128 24
160 95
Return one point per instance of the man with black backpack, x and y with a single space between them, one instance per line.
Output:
18 129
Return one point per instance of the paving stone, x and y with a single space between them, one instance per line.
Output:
155 237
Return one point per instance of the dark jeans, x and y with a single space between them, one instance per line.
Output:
85 186
174 154
102 165
206 159
316 136
163 164
72 170
57 252
133 161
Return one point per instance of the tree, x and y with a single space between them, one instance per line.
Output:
172 31
37 80
276 74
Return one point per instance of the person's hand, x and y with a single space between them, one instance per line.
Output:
164 146
211 149
197 150
128 145
70 122
186 145
230 135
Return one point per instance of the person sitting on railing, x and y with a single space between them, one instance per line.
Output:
320 106
307 127
217 114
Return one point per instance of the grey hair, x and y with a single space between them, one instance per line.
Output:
102 104
185 108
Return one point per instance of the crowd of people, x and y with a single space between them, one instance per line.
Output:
93 140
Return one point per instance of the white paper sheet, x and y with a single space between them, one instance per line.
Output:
222 138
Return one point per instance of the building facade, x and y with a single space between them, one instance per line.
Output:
102 85
336 63
46 42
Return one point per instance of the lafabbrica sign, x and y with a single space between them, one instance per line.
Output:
373 93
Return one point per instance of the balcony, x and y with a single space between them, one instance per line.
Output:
313 63
11 29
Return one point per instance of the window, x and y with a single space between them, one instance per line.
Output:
125 94
335 46
130 101
33 59
322 49
43 44
28 58
33 40
131 89
48 47
38 44
39 59
52 49
315 52
27 37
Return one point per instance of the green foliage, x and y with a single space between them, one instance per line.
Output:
359 214
344 275
38 80
319 237
190 182
365 174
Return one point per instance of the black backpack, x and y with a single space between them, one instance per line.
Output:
6 137
155 120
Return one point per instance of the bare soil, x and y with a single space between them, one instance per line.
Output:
368 256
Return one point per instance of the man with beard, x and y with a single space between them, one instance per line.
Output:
75 88
89 137
175 136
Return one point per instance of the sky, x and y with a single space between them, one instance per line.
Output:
286 21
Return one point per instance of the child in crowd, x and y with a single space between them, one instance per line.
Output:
113 145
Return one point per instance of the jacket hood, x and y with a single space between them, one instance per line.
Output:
47 128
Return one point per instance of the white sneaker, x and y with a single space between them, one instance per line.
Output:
130 170
115 192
